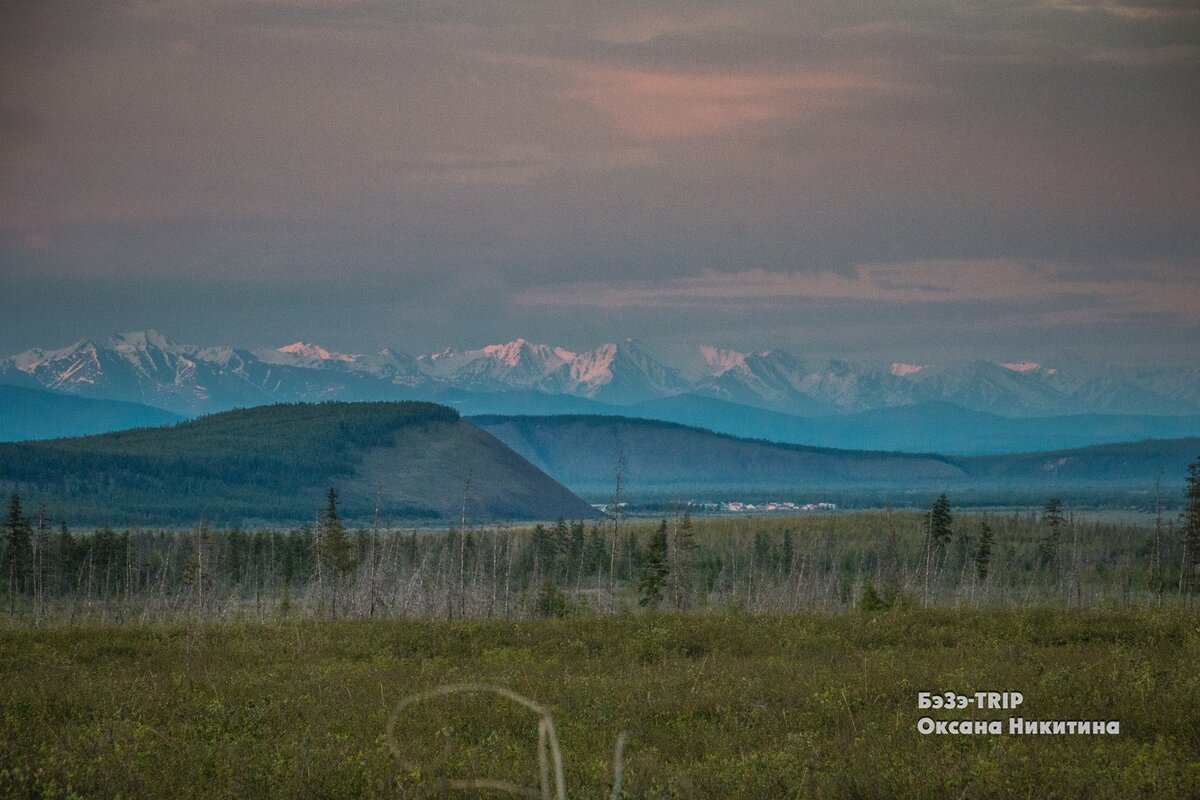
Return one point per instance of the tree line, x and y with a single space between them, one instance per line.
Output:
868 560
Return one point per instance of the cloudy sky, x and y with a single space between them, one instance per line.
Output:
893 181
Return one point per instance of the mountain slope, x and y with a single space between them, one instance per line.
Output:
39 414
273 463
583 451
924 427
1127 463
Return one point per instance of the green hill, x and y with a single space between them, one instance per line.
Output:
273 463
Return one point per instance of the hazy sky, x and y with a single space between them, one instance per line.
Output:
895 181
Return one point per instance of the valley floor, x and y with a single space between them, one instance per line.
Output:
716 705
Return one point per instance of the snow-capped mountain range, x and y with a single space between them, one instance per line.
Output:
149 368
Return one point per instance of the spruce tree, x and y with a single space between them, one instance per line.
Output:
552 601
42 560
597 551
871 601
937 535
789 552
1052 516
1189 533
937 525
334 548
337 550
18 541
654 569
682 546
983 553
560 545
940 519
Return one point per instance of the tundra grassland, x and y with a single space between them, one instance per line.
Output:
719 705
746 657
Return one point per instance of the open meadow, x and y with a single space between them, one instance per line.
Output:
753 657
716 706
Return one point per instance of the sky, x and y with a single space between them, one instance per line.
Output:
880 181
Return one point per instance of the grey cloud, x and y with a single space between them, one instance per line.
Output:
469 152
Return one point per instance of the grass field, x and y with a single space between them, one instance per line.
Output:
716 705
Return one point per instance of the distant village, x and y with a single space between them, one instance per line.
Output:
738 507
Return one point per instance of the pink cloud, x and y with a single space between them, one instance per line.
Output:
670 104
658 105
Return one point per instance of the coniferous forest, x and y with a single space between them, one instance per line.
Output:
832 562
251 462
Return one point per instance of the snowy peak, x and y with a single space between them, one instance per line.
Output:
520 352
902 370
314 352
845 386
154 358
524 364
519 364
142 366
31 360
768 378
721 361
393 359
624 374
508 354
1029 366
594 368
1022 366
990 387
77 363
142 341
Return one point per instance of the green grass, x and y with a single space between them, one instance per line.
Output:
717 706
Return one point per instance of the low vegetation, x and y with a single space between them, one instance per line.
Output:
716 706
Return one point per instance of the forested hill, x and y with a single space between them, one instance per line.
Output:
582 452
1120 463
273 463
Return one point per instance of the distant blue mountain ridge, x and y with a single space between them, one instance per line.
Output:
974 407
40 414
